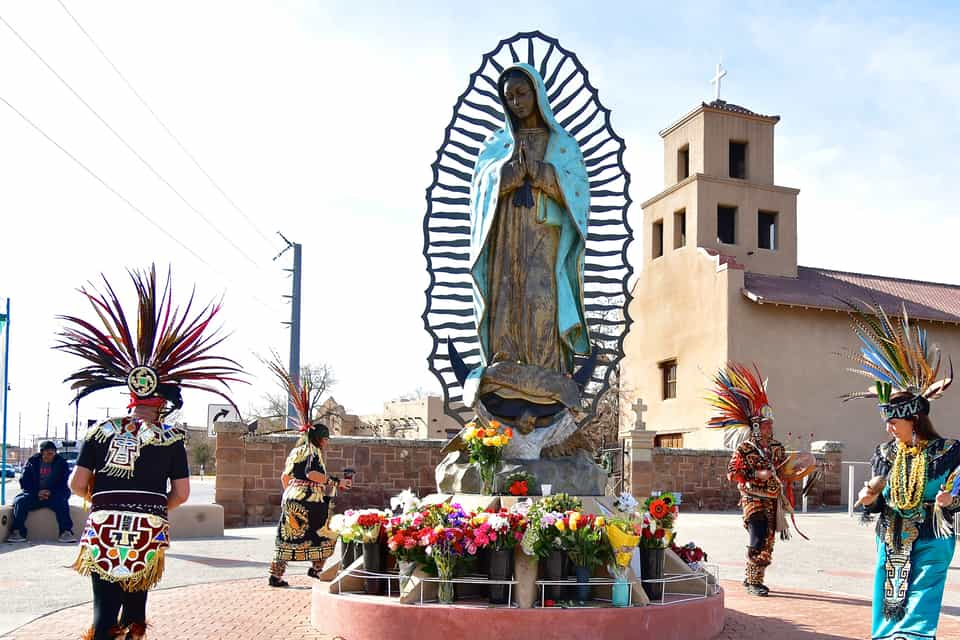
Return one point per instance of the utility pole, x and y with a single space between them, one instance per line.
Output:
47 432
5 325
294 323
76 417
19 430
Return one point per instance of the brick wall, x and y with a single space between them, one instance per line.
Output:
249 468
701 474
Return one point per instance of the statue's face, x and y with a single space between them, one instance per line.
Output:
519 97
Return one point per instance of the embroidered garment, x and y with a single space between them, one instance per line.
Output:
912 562
302 534
759 500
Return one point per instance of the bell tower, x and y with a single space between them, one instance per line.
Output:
719 192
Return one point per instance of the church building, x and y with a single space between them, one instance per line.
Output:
720 281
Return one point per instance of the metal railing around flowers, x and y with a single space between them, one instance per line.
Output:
393 579
709 576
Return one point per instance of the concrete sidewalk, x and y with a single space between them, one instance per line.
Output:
822 587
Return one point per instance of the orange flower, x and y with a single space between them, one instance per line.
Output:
509 432
659 509
491 433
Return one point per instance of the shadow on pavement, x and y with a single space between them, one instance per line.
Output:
743 626
220 563
828 598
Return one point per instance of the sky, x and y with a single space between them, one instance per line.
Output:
321 120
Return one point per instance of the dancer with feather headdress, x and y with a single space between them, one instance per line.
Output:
125 463
759 464
914 488
303 533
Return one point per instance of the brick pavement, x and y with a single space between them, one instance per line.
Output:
249 609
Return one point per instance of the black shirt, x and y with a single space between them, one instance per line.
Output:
155 465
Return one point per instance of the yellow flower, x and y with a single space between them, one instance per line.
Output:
491 433
470 434
501 441
574 517
600 521
488 442
559 525
495 424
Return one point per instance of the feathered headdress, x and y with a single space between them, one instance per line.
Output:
303 393
170 349
899 358
740 397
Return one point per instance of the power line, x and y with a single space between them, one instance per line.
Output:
123 198
127 145
163 125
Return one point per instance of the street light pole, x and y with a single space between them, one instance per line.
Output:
6 385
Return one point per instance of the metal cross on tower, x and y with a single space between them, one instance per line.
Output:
720 75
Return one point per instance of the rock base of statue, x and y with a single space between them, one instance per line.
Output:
576 475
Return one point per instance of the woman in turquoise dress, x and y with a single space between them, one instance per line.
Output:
912 561
913 476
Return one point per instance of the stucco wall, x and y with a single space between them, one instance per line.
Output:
795 349
680 312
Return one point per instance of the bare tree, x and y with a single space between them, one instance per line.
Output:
321 378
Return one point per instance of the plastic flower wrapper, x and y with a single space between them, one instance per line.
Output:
626 503
622 542
404 502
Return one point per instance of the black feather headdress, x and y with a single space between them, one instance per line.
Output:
169 348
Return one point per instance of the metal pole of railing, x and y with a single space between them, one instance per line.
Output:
806 479
850 497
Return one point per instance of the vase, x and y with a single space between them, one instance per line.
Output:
373 563
583 582
651 568
351 551
445 568
555 565
405 569
620 593
488 477
501 568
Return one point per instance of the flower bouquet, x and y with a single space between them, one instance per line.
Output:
581 536
656 533
499 532
485 447
623 534
542 537
519 483
364 526
691 554
445 534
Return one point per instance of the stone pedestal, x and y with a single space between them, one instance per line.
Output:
576 475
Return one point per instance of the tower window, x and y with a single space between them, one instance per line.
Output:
683 162
657 237
668 373
680 229
726 224
767 230
738 160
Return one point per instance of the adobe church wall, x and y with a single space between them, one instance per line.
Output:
680 306
249 468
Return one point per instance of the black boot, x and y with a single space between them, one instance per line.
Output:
757 590
278 582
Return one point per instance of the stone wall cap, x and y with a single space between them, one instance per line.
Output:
827 446
229 427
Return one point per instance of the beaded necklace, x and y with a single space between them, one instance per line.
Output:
906 489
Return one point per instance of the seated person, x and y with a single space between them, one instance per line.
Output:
44 486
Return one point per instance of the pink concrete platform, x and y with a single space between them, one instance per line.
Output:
360 617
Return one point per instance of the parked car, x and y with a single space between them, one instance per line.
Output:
9 472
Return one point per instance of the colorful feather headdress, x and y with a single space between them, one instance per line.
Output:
303 394
740 397
169 349
898 357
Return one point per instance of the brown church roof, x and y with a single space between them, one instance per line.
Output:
820 288
723 105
